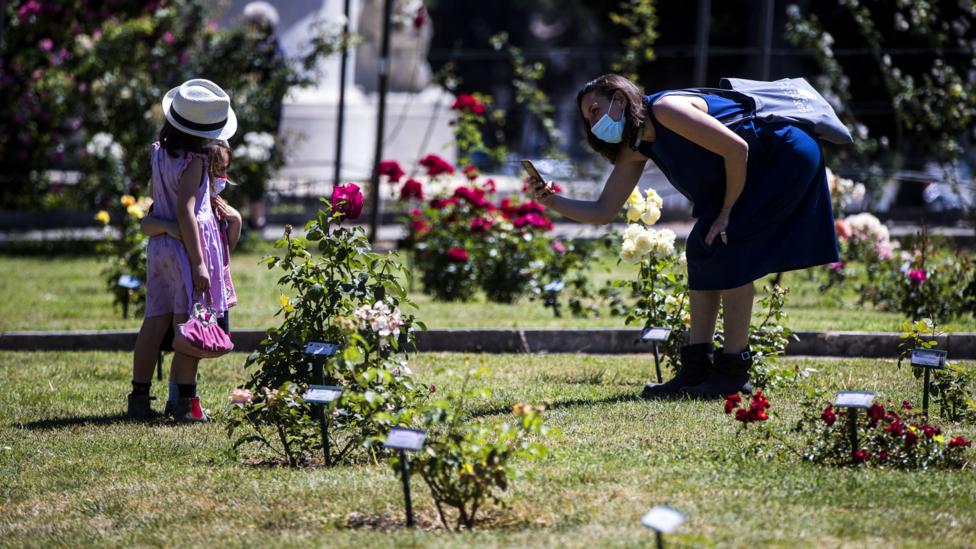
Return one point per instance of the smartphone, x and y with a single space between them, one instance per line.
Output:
530 168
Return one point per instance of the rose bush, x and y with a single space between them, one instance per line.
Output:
342 293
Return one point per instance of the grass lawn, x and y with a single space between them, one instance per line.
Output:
75 473
68 293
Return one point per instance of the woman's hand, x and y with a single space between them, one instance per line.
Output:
540 191
173 230
718 228
201 278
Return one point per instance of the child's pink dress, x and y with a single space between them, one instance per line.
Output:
169 284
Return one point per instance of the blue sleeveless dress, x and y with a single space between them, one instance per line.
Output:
782 220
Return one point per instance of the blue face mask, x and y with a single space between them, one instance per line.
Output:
607 129
219 184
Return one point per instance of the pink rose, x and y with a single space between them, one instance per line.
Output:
884 250
347 200
843 229
240 396
836 266
917 276
168 37
46 44
558 246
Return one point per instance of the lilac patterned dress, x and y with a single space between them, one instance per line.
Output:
169 284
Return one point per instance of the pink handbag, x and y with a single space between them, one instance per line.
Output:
200 336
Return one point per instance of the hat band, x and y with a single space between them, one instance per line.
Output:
196 125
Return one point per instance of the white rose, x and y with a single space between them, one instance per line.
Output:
628 252
651 214
644 244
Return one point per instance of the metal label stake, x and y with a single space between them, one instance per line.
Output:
852 400
322 394
656 335
405 440
928 359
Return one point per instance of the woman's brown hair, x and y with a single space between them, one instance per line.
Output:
634 115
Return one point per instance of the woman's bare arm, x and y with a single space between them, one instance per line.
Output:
233 218
678 114
603 210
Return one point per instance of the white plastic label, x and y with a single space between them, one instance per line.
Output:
663 519
322 394
656 334
928 358
405 439
854 399
318 348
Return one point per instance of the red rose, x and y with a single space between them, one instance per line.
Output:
436 165
416 213
759 401
959 442
883 456
412 189
895 429
533 219
441 203
906 405
490 185
742 415
347 200
731 403
828 416
420 228
928 431
876 411
470 172
531 207
758 415
861 456
480 224
391 169
911 439
433 388
469 103
475 197
457 255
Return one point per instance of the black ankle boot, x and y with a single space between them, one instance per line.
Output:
729 376
696 364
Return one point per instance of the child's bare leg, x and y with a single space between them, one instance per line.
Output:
147 347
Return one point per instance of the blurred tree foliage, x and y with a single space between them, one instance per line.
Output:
919 69
72 68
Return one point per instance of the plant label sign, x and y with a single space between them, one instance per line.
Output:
129 281
322 394
655 334
854 399
318 348
663 519
929 358
405 439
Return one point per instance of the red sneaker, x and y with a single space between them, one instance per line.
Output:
189 410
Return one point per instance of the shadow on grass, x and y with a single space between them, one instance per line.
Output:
57 423
629 397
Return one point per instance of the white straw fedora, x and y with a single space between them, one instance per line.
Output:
200 107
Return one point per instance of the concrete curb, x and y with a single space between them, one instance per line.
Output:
605 341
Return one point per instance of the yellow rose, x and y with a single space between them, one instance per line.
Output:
128 200
135 211
102 217
635 199
654 198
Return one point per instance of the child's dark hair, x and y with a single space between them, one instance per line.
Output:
174 141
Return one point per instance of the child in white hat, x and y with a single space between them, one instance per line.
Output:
187 270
